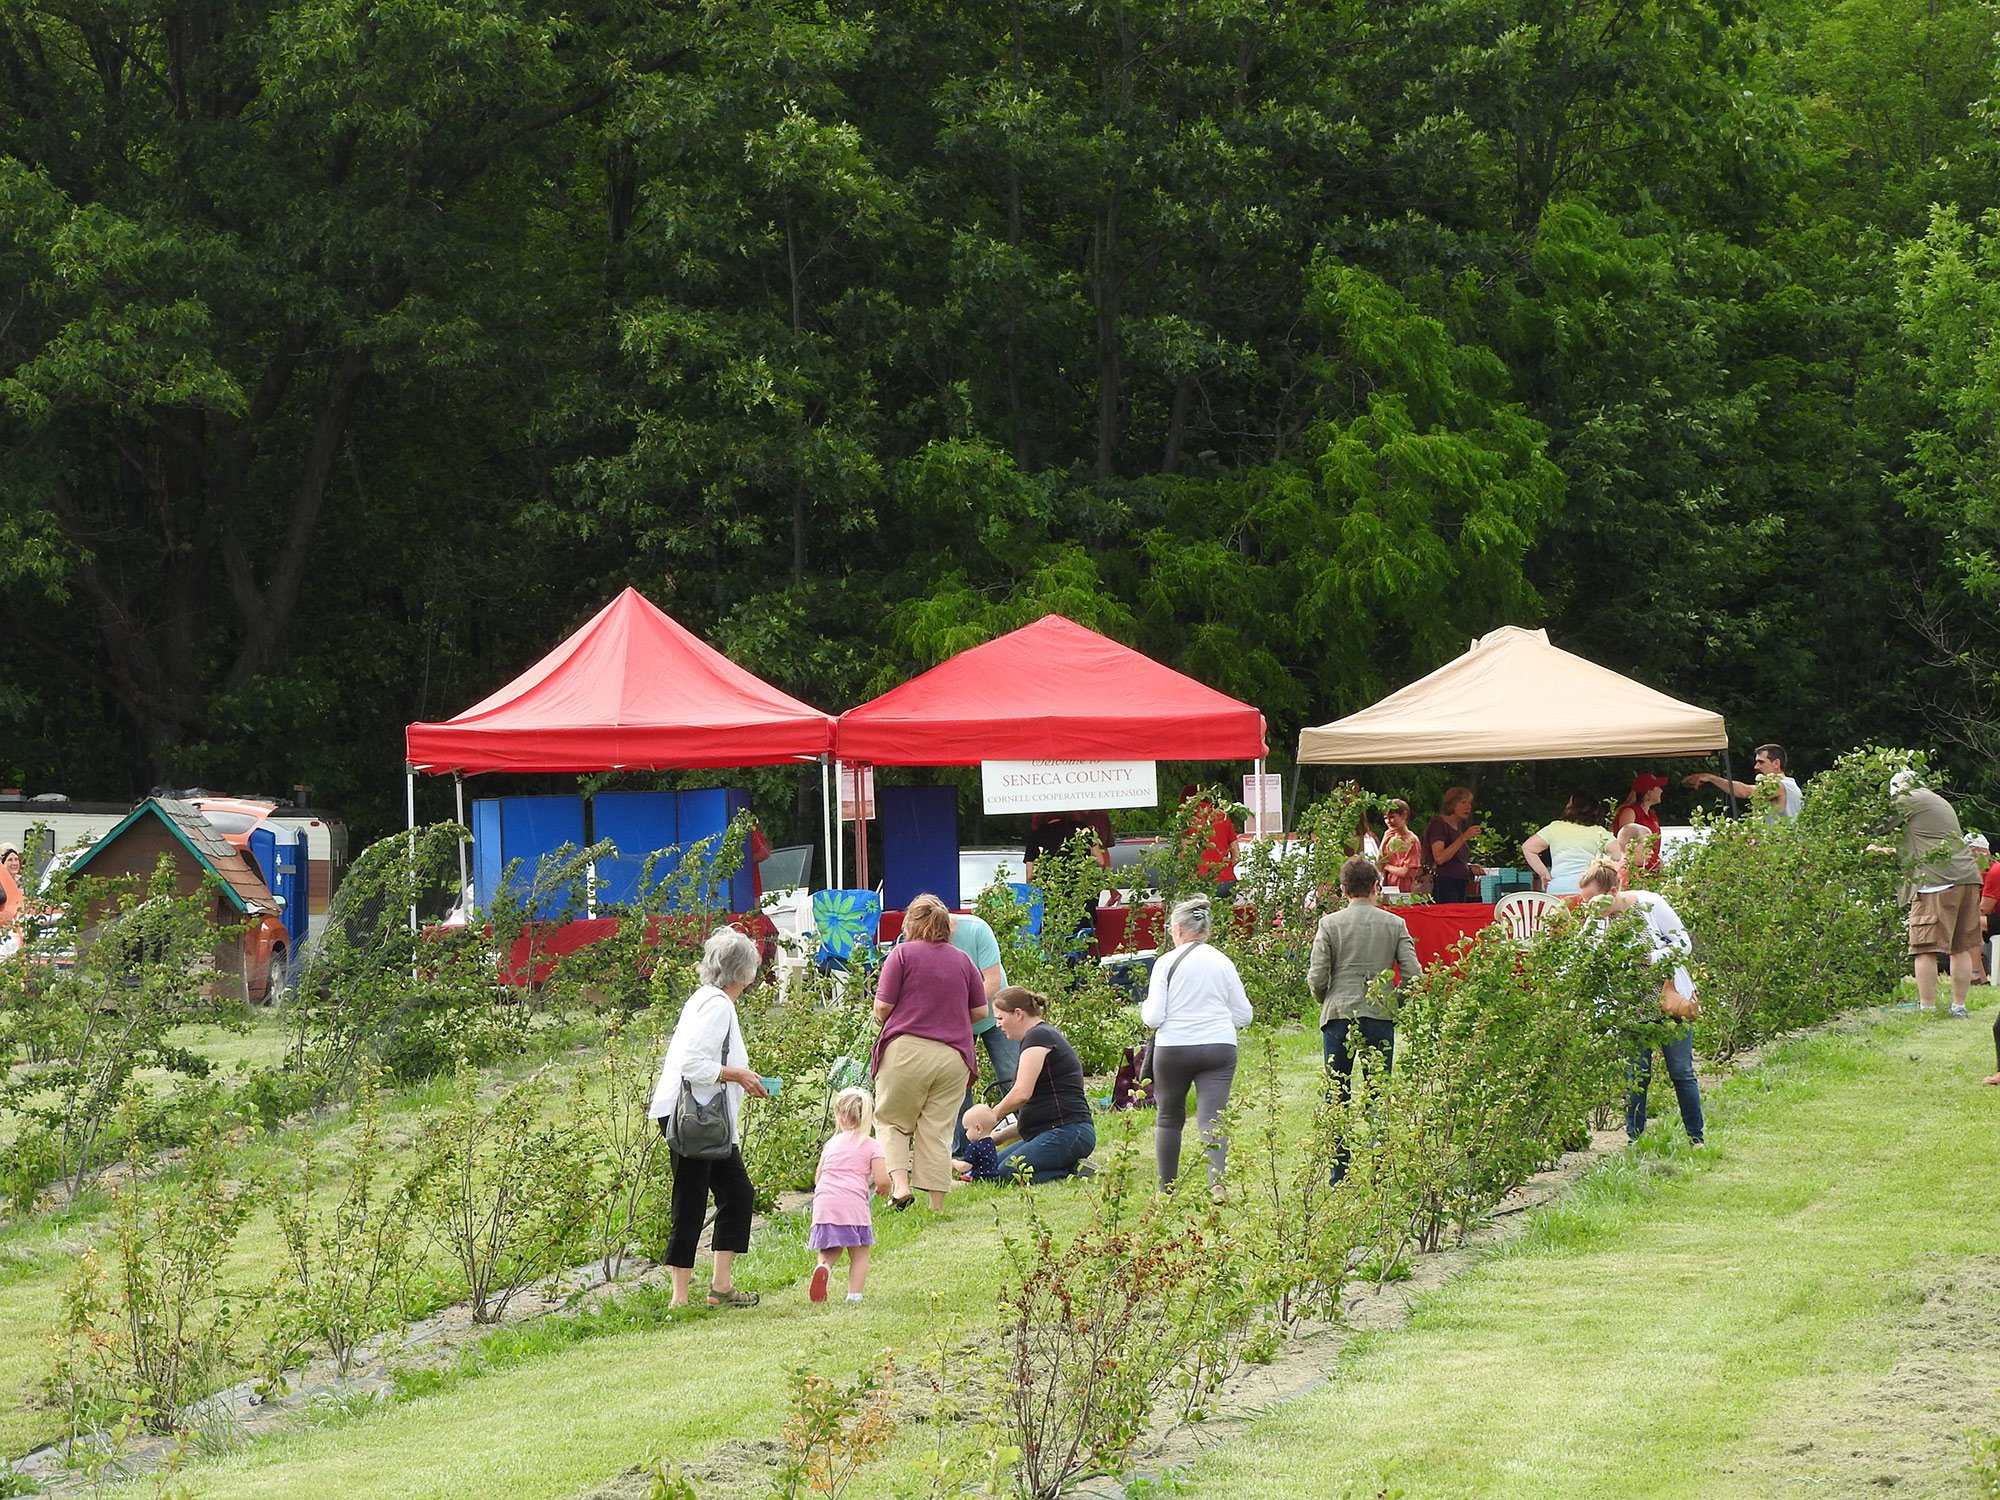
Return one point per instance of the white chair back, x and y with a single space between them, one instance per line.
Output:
1523 912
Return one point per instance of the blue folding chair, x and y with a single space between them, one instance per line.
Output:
848 923
1029 896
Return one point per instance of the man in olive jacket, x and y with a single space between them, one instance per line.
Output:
1351 949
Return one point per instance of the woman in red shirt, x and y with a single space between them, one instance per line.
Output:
1647 789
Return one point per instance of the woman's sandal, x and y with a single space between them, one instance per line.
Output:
734 1297
899 1204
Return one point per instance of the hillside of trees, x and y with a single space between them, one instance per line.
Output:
352 354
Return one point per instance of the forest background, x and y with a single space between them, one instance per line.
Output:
353 353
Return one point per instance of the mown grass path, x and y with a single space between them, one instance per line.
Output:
1812 1307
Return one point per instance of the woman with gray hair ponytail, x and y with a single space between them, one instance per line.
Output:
707 1057
1196 1001
1192 916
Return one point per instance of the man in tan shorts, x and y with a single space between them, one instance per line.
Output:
1942 890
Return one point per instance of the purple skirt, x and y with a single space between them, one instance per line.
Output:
840 1236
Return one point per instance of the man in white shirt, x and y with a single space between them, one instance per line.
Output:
1668 937
1769 763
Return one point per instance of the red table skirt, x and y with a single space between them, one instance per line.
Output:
543 945
1436 930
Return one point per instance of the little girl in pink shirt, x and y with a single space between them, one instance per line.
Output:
850 1167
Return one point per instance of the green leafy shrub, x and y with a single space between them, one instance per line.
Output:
1794 921
803 1037
1297 1229
1099 1018
834 1429
92 997
611 1101
144 1345
1098 1326
505 1188
1283 888
1501 1055
373 993
342 1273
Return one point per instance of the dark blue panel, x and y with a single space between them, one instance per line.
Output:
641 824
532 828
489 854
742 885
919 843
705 814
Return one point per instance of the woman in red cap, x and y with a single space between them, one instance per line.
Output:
1647 789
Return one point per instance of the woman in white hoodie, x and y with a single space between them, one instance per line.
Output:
1195 1002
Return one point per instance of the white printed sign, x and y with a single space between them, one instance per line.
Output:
857 792
1016 786
1265 797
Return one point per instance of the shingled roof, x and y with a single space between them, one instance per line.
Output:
242 885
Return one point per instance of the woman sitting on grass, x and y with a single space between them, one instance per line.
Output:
1053 1125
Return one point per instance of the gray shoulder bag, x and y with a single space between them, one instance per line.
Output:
700 1130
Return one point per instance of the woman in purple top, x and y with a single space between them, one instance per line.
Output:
1446 841
929 996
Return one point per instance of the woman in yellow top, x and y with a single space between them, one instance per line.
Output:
1562 851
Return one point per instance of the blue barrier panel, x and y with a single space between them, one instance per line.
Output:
919 844
641 824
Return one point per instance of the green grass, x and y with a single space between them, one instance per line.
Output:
1746 1322
1741 1322
39 1252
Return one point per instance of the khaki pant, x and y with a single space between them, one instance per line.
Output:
917 1094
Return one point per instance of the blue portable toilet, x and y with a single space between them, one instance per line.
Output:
280 856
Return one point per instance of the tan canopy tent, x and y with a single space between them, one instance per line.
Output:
1513 696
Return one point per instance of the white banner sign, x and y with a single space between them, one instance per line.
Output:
1016 786
1265 797
857 792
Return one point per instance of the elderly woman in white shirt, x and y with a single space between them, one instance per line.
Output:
707 1056
1196 1003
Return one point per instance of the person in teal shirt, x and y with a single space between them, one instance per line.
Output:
974 938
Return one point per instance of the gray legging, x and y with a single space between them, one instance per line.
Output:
1209 1070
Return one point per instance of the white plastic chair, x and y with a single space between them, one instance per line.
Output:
1523 912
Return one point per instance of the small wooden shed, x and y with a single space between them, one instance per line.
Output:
166 825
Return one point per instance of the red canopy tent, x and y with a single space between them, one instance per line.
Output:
630 690
1051 690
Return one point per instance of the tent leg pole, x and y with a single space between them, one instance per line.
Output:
1292 807
839 869
458 797
1728 781
410 809
825 823
1257 812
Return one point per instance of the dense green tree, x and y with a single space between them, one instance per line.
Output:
351 354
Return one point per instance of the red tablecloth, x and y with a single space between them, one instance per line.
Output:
1436 930
537 951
